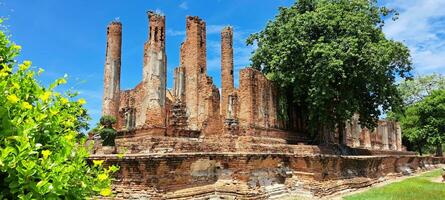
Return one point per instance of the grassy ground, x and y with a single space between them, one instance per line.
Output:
416 188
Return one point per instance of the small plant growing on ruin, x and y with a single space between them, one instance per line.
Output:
106 130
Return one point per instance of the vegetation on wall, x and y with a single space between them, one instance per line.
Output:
106 131
331 59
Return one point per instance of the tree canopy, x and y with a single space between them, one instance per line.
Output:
41 156
332 59
424 121
416 94
416 89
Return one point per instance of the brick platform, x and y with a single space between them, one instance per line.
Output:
253 175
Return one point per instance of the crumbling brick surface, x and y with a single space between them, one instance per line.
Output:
192 85
386 136
193 61
154 75
253 176
145 105
259 105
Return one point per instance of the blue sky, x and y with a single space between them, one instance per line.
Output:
70 36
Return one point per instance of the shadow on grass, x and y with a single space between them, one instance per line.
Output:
416 188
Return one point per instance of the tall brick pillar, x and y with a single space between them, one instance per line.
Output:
247 93
112 71
154 76
193 60
398 137
179 83
367 140
226 68
385 144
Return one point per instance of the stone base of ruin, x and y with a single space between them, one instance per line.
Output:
253 175
159 163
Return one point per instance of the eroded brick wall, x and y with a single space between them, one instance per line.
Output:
145 105
201 98
251 176
386 136
258 100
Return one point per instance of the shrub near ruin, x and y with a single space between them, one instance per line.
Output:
41 156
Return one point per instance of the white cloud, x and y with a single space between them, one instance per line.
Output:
91 94
421 26
171 32
159 12
214 29
184 5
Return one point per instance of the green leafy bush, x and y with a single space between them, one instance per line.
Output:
108 135
41 156
106 131
107 121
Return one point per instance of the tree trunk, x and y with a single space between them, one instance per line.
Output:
341 130
290 109
439 151
419 146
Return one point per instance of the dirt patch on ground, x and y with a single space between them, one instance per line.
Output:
438 180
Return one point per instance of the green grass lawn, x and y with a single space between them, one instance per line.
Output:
416 188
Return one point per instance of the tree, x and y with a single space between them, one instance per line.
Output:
412 91
41 156
331 59
424 121
416 89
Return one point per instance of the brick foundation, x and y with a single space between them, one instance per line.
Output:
253 176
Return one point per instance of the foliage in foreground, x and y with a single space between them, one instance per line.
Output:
419 188
331 59
41 156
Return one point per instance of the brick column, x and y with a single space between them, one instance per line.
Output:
112 70
227 86
398 137
385 135
367 138
152 111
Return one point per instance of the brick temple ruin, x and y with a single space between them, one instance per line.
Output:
195 142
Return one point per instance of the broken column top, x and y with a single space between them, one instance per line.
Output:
115 22
156 34
194 20
227 29
115 27
155 15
